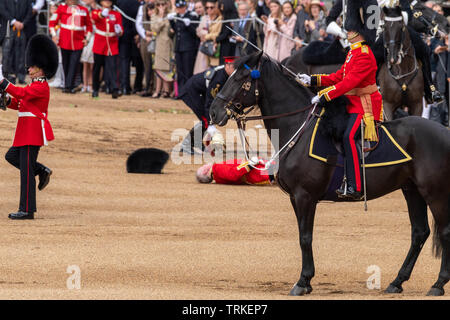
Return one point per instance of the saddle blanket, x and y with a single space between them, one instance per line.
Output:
388 152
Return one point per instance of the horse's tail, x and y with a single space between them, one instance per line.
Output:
437 245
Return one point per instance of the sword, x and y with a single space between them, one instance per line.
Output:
363 164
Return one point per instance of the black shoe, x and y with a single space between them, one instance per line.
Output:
21 215
66 90
94 94
116 94
352 194
44 178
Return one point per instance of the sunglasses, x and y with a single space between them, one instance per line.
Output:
209 8
160 4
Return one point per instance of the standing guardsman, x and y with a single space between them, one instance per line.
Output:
33 128
74 35
108 29
357 81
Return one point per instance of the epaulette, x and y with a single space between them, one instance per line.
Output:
194 14
365 49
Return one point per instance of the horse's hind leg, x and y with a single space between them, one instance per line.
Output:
441 240
305 209
420 231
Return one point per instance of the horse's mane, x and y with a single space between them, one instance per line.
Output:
333 121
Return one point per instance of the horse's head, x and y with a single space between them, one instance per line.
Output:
394 30
426 20
239 92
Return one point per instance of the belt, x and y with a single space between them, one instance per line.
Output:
70 27
363 91
106 34
29 114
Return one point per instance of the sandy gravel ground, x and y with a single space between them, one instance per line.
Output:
168 237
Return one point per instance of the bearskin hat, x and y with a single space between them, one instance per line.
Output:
360 18
42 53
147 160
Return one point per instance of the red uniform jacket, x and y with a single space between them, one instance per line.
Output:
75 24
238 172
106 41
32 104
356 80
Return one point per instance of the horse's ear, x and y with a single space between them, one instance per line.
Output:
259 55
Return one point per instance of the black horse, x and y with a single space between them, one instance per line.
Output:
400 76
424 180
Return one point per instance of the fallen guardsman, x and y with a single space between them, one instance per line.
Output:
236 171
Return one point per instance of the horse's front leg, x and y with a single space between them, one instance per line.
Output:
305 208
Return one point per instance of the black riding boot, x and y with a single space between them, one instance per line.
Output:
423 53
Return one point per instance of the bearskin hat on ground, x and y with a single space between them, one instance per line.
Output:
147 160
42 52
360 18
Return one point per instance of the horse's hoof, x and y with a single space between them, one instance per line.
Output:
435 292
393 289
300 291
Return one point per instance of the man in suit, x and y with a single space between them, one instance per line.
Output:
244 28
128 51
186 41
18 13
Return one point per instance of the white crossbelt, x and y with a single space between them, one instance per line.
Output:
29 114
70 27
106 34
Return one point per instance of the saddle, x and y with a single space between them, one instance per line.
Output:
324 53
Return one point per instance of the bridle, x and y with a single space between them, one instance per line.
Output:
236 111
402 53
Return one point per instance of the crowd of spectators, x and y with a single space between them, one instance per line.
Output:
167 41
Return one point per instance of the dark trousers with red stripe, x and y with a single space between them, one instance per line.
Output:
24 158
352 163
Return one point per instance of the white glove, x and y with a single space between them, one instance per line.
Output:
315 99
304 78
171 15
105 12
217 139
211 130
187 21
117 29
1 73
255 161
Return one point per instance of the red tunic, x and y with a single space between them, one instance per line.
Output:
106 41
75 25
31 100
238 172
357 73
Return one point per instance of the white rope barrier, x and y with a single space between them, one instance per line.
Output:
253 19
